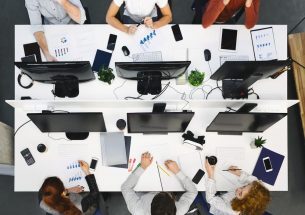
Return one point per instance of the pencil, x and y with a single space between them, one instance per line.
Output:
230 169
163 170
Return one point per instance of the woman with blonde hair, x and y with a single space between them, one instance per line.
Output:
250 199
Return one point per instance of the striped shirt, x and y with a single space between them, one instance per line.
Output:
52 11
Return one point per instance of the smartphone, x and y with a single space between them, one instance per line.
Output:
198 176
93 163
177 32
228 40
111 42
267 164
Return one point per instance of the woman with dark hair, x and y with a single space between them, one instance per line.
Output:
57 200
251 199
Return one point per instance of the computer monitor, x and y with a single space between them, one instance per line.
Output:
50 72
236 77
76 125
235 123
150 74
164 122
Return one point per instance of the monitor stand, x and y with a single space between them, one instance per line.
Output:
149 83
77 135
231 88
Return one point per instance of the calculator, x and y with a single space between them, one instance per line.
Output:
29 159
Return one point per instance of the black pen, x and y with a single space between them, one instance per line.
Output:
140 23
230 169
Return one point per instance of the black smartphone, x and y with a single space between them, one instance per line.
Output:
111 42
93 163
177 32
198 176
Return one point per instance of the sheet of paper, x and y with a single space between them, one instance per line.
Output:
190 163
148 39
264 44
230 153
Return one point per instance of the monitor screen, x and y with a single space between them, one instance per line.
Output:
168 69
158 122
244 122
68 122
50 72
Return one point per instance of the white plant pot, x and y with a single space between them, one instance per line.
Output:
252 145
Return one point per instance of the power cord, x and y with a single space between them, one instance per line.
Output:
21 126
230 109
115 89
251 92
130 97
163 90
57 138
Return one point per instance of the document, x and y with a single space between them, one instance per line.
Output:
263 44
148 39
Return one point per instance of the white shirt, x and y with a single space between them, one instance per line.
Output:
139 9
221 205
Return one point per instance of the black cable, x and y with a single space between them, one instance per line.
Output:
229 108
212 91
130 97
296 25
21 126
163 90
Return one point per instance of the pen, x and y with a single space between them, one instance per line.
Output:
163 170
140 23
230 169
134 160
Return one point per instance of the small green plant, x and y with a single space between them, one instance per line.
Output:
105 74
258 142
196 77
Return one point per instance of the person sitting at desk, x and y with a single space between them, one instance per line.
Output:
251 199
54 12
139 12
221 11
157 203
56 199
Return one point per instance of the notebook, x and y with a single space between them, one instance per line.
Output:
113 148
101 59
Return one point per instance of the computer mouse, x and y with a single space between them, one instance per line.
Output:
125 50
207 54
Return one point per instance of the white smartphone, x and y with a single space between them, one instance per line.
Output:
93 163
267 164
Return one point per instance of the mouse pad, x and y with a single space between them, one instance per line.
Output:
101 58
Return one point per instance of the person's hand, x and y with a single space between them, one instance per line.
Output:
248 3
131 29
50 58
232 169
210 169
62 2
172 166
76 189
84 166
149 23
225 2
146 160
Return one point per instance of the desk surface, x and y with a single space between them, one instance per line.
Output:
60 151
85 39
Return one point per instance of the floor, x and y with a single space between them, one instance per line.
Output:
271 12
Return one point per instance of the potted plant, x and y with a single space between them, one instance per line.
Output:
196 78
105 74
257 142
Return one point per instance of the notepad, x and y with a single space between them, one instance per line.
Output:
113 148
101 59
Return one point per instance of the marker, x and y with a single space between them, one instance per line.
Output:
129 163
134 160
139 164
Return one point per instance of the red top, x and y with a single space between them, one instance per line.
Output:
217 11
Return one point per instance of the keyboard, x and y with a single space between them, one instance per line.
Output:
225 58
147 57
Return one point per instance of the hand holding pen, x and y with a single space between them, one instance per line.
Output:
234 170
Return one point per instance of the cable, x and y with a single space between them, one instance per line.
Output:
183 96
296 25
115 89
130 97
21 126
57 138
297 63
211 91
253 92
163 90
230 109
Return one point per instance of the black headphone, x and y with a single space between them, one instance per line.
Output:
19 81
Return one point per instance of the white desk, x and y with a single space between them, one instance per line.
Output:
196 39
30 178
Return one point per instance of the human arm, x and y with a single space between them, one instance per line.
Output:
251 13
214 8
42 42
114 22
130 196
243 177
164 20
74 9
188 197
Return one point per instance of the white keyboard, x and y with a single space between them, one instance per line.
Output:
225 58
147 57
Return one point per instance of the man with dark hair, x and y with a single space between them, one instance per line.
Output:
157 203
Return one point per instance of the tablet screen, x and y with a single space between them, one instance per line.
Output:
228 39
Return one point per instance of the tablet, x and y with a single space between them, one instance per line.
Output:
228 40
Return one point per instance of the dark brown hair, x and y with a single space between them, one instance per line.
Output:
163 204
255 202
51 193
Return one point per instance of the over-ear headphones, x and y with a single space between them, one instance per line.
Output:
19 81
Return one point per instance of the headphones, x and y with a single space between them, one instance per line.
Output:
19 81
